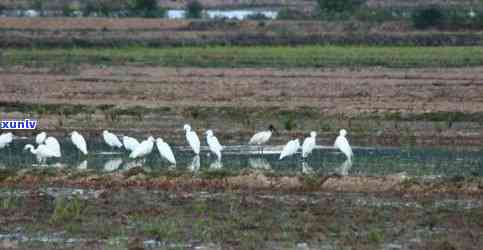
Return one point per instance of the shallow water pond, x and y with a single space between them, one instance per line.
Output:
368 161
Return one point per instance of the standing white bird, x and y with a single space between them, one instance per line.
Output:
192 139
53 145
5 139
111 139
309 144
342 144
262 137
290 148
165 150
213 144
145 148
42 152
130 143
40 138
79 141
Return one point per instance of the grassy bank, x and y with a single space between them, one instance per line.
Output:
260 56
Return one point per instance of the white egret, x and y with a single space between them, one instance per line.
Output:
79 141
309 144
213 144
145 148
42 152
262 137
5 139
111 139
40 138
53 145
130 143
192 139
342 144
290 148
165 150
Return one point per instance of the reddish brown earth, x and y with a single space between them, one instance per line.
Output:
334 91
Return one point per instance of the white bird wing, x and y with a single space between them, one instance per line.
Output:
53 145
215 146
290 148
40 138
43 151
260 137
193 141
130 143
343 145
308 146
112 140
141 150
5 139
166 152
79 142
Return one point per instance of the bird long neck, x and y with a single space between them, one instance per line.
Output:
32 149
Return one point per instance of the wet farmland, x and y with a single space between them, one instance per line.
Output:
107 201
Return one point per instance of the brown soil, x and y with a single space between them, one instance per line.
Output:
333 91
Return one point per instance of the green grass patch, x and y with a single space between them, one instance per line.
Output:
257 56
67 210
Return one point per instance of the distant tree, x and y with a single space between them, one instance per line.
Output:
194 9
69 9
338 8
102 7
426 17
145 8
39 6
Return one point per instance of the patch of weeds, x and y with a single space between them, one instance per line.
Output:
327 126
9 202
164 228
134 171
80 174
409 181
43 172
105 107
217 174
288 120
6 173
311 181
375 236
67 210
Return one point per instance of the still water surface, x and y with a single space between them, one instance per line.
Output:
368 161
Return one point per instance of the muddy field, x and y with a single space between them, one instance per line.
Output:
45 209
133 210
439 105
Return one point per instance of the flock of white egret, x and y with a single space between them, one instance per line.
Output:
48 146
